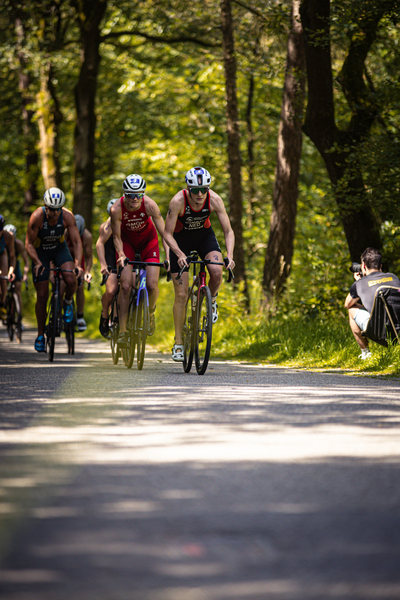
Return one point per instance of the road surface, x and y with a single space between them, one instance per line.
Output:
248 483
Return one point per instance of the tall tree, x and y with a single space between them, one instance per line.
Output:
89 14
339 147
279 253
234 156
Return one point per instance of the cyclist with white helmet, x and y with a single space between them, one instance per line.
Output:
86 264
187 228
108 266
7 264
20 251
135 220
45 243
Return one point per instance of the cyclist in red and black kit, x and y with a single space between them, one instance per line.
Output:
135 220
188 227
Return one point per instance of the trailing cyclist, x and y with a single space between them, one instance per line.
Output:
108 266
188 227
45 243
135 220
7 264
20 251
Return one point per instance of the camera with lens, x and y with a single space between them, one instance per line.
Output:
355 268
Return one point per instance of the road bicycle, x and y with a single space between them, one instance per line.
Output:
197 328
138 320
54 321
13 308
113 323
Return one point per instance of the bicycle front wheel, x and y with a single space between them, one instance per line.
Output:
17 319
114 332
188 337
51 330
128 353
11 314
203 333
142 328
70 332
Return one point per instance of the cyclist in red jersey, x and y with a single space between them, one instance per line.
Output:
135 220
188 227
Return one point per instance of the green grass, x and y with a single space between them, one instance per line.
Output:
321 341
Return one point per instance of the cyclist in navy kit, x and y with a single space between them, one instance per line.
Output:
45 243
187 228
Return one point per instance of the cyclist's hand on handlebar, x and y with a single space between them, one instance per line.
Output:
183 262
229 263
121 260
11 276
104 270
88 277
78 271
38 269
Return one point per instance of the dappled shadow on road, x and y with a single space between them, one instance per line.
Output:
212 531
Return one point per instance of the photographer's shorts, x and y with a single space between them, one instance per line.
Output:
361 318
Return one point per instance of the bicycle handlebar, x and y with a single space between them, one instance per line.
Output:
207 261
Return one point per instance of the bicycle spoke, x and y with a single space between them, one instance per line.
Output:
203 332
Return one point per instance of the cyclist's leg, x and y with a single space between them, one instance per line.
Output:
41 284
125 288
210 249
151 253
181 290
108 296
3 282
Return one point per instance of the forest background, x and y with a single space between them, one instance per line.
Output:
292 106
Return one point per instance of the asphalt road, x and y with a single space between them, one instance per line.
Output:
250 482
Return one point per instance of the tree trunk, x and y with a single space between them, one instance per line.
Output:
29 129
279 253
338 148
89 14
49 119
234 157
250 154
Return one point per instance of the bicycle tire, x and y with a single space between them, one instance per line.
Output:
142 328
17 319
70 332
188 337
10 316
203 333
114 332
52 326
129 352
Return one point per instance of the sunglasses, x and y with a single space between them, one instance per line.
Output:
53 209
196 190
133 196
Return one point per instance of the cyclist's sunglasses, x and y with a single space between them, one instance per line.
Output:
133 196
196 190
53 209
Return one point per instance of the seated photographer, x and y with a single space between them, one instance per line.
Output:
360 299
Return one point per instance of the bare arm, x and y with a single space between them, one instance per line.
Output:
154 212
105 233
218 206
12 261
87 242
175 208
350 302
75 238
34 224
116 220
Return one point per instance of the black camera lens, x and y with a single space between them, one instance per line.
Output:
355 268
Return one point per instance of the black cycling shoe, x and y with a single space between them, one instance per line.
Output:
123 339
103 327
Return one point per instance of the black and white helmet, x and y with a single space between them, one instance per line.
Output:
198 176
54 198
80 223
110 204
11 229
134 183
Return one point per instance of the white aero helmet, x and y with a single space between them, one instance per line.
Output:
11 229
110 204
134 183
80 223
198 177
54 198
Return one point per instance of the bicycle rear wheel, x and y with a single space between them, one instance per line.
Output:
11 312
128 353
17 319
188 338
142 327
114 332
51 330
70 332
203 333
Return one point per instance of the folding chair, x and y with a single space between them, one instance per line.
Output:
384 322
